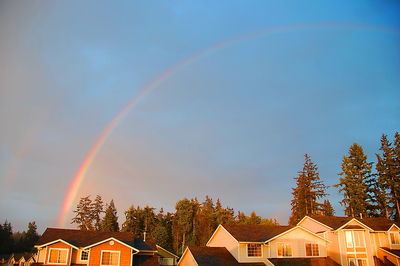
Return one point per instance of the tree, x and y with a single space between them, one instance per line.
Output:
6 239
327 209
110 220
387 187
97 208
355 182
308 190
83 214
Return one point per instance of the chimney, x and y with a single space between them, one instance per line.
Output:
361 215
144 236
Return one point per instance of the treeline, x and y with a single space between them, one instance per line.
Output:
192 223
369 189
17 242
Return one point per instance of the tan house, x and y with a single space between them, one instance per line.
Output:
356 241
260 245
75 247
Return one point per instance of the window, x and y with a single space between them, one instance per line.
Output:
355 239
58 256
110 258
312 249
254 250
357 262
395 238
84 255
284 250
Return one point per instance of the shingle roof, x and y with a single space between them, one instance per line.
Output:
255 233
335 222
26 255
395 252
80 238
303 262
216 256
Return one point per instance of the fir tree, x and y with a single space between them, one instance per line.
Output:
110 220
308 190
97 208
388 183
355 182
83 214
6 239
327 209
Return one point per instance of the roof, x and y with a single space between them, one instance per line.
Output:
303 262
216 256
81 238
395 252
25 255
335 222
255 233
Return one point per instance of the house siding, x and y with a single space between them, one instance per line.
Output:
57 245
222 238
187 260
125 253
297 238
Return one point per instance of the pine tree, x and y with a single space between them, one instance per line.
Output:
110 220
6 239
355 182
308 190
327 209
388 171
83 214
97 208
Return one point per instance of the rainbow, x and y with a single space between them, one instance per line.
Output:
77 180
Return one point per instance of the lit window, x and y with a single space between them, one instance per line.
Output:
355 239
84 255
395 238
58 256
254 250
312 250
109 258
357 262
284 250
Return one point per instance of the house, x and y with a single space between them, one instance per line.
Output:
166 257
357 241
76 247
21 259
260 245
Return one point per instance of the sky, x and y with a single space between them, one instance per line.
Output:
233 122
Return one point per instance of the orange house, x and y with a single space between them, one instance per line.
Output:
62 247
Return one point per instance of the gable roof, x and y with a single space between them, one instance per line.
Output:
394 252
19 256
303 262
79 238
216 256
255 233
335 222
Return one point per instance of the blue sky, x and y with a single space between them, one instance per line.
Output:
234 124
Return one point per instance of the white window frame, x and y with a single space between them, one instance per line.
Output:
356 261
312 253
353 241
390 237
247 250
112 251
80 256
285 244
57 263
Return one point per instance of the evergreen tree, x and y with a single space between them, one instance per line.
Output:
110 220
83 214
387 187
254 218
327 209
132 221
355 182
308 190
97 208
6 239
